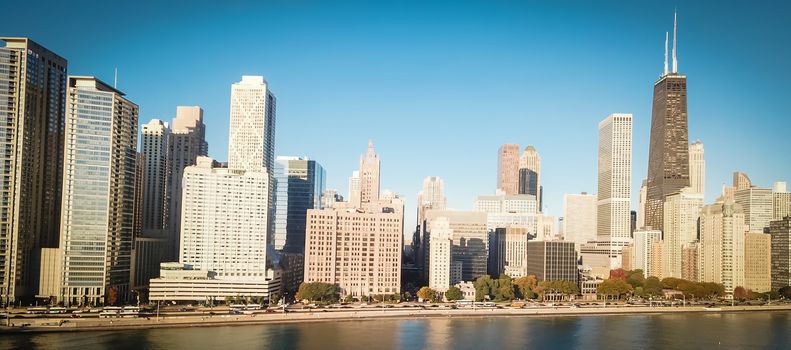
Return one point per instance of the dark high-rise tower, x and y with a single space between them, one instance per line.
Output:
668 158
33 94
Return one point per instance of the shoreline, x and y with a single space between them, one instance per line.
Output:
44 325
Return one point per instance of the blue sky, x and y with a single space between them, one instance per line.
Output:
439 86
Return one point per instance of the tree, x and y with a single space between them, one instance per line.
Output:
635 278
525 287
503 289
785 292
453 294
112 296
318 292
652 287
349 298
618 273
740 293
427 294
614 287
483 287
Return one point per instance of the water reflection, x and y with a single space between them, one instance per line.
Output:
691 331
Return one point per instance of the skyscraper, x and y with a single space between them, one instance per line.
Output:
757 263
33 89
440 262
251 145
98 193
431 197
223 225
697 168
530 174
511 251
721 250
508 168
757 205
155 147
369 177
299 185
780 230
668 158
643 251
615 177
681 213
470 240
613 214
187 143
781 200
354 187
579 218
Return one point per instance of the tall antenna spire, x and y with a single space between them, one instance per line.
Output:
675 62
666 35
115 82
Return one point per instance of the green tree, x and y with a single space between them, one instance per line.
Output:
318 292
453 294
483 287
503 288
652 287
635 278
613 287
785 292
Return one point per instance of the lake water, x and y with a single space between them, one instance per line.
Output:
769 330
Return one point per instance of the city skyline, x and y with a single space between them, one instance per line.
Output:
520 39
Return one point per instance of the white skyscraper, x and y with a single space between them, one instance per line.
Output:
155 147
614 198
615 177
440 261
697 168
681 213
579 218
224 227
252 131
721 252
781 200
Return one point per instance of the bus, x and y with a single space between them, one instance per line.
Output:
130 311
244 307
37 310
57 310
111 311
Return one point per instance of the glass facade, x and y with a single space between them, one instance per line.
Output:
299 186
98 200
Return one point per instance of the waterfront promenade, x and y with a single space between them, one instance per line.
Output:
65 324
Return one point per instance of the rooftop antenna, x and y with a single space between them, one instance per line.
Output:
666 35
675 62
115 82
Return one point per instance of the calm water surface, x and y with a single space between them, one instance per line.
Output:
771 330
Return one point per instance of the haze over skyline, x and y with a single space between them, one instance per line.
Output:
439 88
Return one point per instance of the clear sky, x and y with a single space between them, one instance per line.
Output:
439 86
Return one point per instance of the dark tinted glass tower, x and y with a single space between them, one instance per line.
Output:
668 158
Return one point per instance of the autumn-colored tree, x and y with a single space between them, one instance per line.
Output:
526 286
740 293
427 294
112 296
619 274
